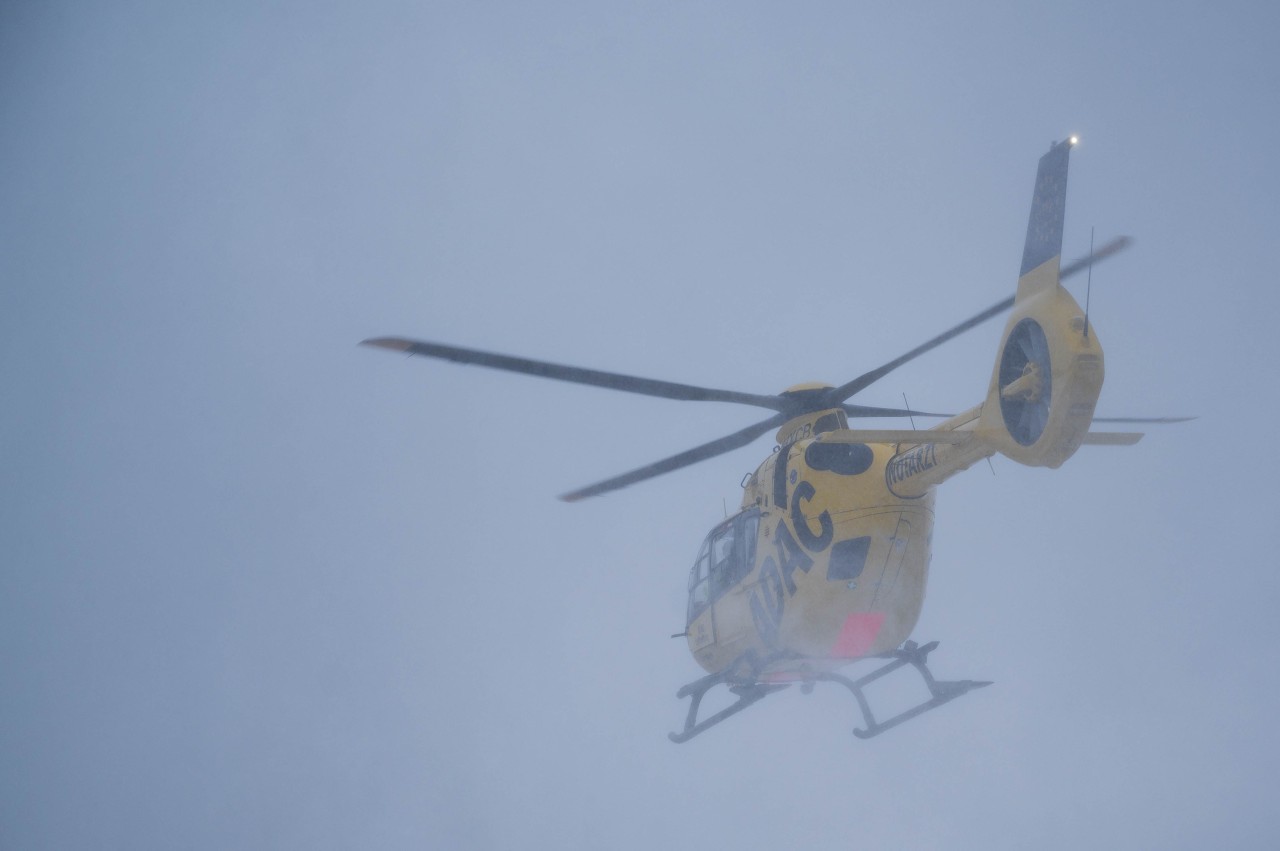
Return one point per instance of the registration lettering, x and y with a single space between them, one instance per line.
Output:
911 463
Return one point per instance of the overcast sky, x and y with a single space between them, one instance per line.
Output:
260 588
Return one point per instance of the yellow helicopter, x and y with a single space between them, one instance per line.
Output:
826 563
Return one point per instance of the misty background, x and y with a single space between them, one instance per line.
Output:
260 588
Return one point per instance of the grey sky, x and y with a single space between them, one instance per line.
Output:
260 588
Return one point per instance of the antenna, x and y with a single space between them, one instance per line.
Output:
907 405
1088 290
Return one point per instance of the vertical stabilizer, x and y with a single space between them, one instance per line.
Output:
1042 254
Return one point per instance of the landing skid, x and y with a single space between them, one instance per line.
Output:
910 654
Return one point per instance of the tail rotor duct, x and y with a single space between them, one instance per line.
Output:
1026 382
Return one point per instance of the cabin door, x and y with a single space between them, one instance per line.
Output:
891 567
729 573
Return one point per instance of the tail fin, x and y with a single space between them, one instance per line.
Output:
1042 254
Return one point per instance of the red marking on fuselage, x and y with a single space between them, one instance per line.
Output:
857 635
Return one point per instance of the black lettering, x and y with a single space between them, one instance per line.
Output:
767 601
916 461
791 557
814 543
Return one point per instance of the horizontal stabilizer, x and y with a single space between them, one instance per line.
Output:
1112 438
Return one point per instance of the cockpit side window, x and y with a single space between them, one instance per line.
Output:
831 422
699 581
726 558
723 557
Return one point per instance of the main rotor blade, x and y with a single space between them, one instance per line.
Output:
675 462
1115 246
862 382
844 391
1144 419
868 411
575 374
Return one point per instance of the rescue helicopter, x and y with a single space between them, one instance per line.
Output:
826 562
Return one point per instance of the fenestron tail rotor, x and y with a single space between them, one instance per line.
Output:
1143 419
1026 382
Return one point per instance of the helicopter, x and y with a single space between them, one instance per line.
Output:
826 562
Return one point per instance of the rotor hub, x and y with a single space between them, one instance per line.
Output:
1028 387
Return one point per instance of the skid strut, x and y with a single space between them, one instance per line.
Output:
747 695
909 654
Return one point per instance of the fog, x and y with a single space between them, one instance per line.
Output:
262 588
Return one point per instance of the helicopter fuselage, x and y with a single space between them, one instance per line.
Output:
824 564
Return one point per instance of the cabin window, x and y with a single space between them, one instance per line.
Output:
831 422
724 548
848 558
726 558
699 584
